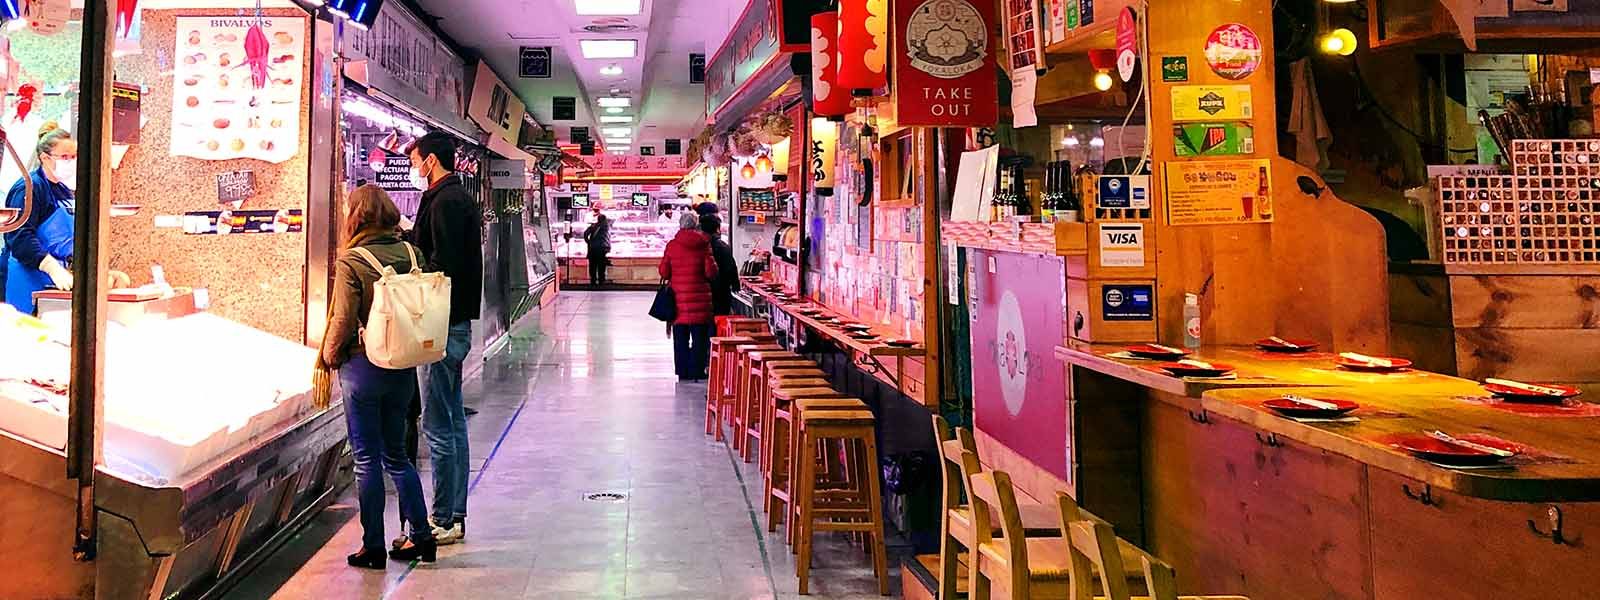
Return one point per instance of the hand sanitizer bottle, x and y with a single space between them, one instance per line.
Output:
1191 321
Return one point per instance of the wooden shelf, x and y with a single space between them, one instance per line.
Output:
833 332
1102 35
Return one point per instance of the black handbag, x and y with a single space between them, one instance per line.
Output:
665 306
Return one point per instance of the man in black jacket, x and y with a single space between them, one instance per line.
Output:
727 278
449 234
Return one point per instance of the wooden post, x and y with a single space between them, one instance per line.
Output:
85 416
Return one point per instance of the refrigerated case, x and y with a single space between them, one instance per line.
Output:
640 231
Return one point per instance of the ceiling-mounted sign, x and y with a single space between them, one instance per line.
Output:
1233 51
945 63
1127 44
748 48
401 57
647 150
493 107
1211 103
508 174
533 62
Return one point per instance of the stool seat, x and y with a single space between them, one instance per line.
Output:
802 381
810 393
836 417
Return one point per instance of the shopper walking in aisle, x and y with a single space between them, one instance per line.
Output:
376 398
689 268
598 237
449 231
727 277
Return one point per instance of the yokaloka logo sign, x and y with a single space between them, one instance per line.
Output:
946 38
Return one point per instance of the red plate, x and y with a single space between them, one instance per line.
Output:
1290 408
1156 352
900 343
1399 364
1183 370
856 327
1433 450
1511 394
1299 345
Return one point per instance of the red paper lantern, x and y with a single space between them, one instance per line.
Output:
863 44
828 98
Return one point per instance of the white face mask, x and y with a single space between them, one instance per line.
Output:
418 180
67 172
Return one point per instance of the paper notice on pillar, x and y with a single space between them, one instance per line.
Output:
1539 5
237 94
1024 85
975 184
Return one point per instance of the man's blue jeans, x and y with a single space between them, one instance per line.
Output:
444 422
375 413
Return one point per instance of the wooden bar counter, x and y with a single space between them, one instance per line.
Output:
1244 501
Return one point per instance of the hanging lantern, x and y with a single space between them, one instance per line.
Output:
827 97
824 144
749 171
863 44
763 164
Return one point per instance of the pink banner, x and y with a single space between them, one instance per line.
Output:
1018 305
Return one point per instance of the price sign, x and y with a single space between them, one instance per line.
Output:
1219 192
235 186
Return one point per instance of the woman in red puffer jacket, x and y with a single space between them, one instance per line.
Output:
688 266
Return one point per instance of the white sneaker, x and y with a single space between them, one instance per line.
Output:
404 538
455 534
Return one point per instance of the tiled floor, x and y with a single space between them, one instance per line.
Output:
583 400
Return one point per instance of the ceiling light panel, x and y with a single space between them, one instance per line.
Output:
609 48
618 131
616 119
609 102
622 141
611 69
607 7
615 110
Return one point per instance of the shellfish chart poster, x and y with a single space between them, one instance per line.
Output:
1018 309
945 63
236 94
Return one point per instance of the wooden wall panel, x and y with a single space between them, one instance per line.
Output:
1544 355
1521 301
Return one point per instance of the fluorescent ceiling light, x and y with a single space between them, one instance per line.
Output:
611 69
617 131
608 7
619 140
616 119
609 48
615 110
609 102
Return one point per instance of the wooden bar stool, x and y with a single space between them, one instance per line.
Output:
717 389
731 326
726 381
776 477
779 372
753 390
862 515
739 375
829 469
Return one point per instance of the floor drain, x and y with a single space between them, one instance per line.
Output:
610 497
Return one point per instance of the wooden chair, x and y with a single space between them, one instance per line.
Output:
956 529
1093 547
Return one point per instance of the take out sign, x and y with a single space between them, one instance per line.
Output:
945 63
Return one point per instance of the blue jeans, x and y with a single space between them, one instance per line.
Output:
444 422
375 402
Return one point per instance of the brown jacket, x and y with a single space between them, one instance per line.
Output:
351 296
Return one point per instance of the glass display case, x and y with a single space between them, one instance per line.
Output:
641 225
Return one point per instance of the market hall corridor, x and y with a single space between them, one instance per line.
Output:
582 401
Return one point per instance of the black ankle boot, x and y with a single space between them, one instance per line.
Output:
366 559
425 551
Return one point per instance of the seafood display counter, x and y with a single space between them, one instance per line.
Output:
212 450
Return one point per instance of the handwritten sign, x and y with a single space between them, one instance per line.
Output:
1219 192
235 186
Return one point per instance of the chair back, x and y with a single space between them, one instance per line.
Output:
992 495
1094 547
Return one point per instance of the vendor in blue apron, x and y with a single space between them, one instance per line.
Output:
37 253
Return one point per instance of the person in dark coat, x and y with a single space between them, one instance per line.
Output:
727 278
688 267
598 238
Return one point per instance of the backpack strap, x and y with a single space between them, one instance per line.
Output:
412 253
366 255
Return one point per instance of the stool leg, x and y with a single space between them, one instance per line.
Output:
880 563
773 483
713 390
802 525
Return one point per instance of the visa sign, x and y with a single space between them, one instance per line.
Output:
1122 244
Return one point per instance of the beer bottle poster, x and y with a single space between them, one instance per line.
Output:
1219 192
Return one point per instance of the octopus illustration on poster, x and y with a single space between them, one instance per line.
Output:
946 38
1011 355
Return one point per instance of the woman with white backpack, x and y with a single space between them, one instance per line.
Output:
375 397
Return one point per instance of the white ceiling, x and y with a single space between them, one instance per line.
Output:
663 103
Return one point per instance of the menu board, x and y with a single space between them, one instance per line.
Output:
1219 192
234 97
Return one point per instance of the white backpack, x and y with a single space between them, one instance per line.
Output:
410 318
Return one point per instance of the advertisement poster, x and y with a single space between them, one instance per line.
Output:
1218 192
945 63
1017 383
1211 103
1233 51
1213 139
235 98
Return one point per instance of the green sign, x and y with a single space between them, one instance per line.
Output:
1174 69
1213 139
